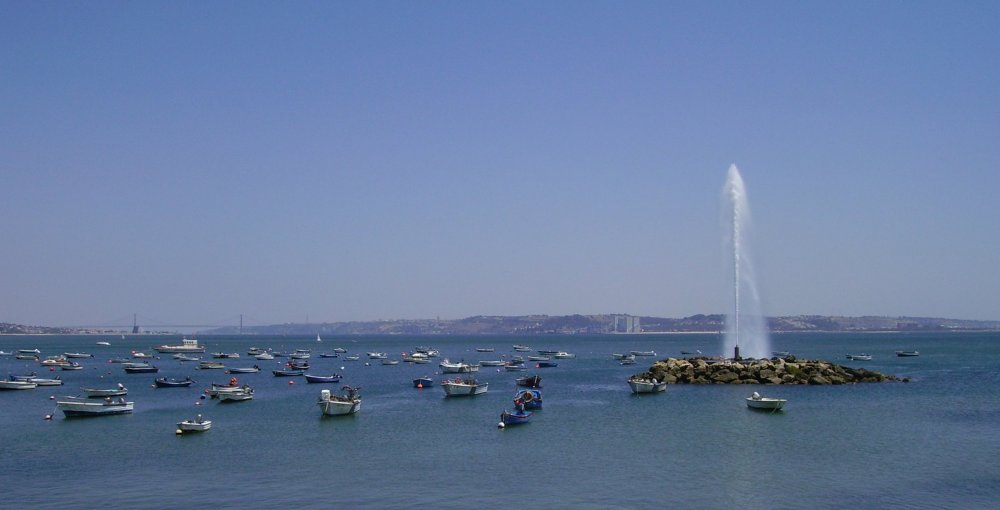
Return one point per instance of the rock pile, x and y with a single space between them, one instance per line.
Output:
765 371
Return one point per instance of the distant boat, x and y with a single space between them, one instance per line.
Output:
105 344
485 349
72 407
287 373
628 361
239 395
329 355
29 351
643 385
46 382
514 367
3 353
390 361
531 381
538 358
860 357
352 358
516 417
211 365
447 367
180 356
140 368
17 385
120 391
688 353
643 353
907 353
756 401
339 350
522 348
77 355
563 355
546 364
463 387
245 370
72 366
322 378
318 339
163 382
340 405
492 363
780 354
187 345
264 356
225 355
423 382
529 398
376 355
198 424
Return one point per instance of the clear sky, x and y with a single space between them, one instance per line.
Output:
191 161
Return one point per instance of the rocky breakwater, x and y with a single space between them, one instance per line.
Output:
764 371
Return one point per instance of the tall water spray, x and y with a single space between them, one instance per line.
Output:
746 328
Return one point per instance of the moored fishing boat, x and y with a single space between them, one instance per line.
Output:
187 345
516 417
163 382
447 367
73 406
860 357
563 355
643 353
71 366
287 372
531 381
756 401
225 355
459 387
119 391
77 355
529 398
546 364
905 354
180 356
423 382
240 394
522 348
198 424
245 370
211 365
514 367
264 356
643 385
17 385
139 368
320 379
492 363
41 381
339 405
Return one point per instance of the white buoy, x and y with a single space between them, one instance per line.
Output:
48 416
500 425
178 432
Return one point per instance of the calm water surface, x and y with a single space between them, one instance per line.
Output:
931 443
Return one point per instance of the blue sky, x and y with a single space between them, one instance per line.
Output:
191 161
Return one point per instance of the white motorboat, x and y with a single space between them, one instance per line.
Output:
187 345
522 348
120 391
225 355
643 385
105 344
376 355
492 363
339 405
198 424
5 353
387 361
180 356
860 357
447 367
904 354
29 351
73 406
46 382
539 358
459 387
563 355
339 350
264 356
211 365
77 355
643 353
17 385
237 395
756 401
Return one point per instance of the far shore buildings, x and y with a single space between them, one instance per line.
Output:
626 324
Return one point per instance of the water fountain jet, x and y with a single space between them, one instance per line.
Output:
746 329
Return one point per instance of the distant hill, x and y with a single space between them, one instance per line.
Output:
607 323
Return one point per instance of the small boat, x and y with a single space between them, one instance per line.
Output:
447 367
329 355
120 391
339 405
528 398
492 363
238 395
299 355
187 345
71 366
352 358
5 353
163 382
264 356
73 406
322 378
225 355
643 353
860 357
538 358
546 364
643 385
211 365
287 373
563 355
303 351
46 382
339 350
906 354
522 348
691 353
516 417
423 382
22 377
318 339
180 356
26 356
253 351
463 387
55 361
756 401
141 355
780 354
531 381
140 368
119 360
628 361
77 355
216 389
105 344
546 352
485 349
297 365
245 370
515 367
29 351
198 424
17 385
390 361
376 355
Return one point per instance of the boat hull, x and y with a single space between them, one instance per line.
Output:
84 409
194 426
321 379
515 418
17 385
339 408
463 389
647 386
766 404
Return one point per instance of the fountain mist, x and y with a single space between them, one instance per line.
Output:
746 328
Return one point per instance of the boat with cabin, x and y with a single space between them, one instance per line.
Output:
460 387
81 407
447 367
188 345
240 394
340 405
198 424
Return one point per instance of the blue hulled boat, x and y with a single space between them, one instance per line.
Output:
529 398
163 382
517 417
322 378
286 373
423 382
